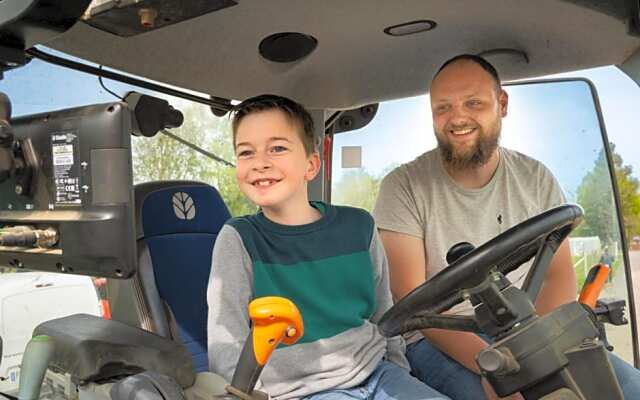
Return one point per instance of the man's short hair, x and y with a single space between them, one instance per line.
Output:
486 65
295 112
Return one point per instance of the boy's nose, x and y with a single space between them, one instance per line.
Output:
262 167
262 162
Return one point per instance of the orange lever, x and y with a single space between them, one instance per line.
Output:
593 285
275 320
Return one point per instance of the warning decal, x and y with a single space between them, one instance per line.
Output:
66 168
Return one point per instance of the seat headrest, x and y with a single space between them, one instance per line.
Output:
169 207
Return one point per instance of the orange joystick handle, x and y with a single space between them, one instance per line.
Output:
275 320
593 285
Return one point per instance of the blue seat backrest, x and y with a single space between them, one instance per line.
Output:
178 221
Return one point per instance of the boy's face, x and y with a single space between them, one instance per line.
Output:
272 166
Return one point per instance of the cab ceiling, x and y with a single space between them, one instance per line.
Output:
355 62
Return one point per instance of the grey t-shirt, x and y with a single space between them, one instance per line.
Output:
421 199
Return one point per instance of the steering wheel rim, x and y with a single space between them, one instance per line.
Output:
507 251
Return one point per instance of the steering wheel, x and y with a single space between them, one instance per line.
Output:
539 236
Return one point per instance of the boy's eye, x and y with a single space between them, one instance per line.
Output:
244 153
278 149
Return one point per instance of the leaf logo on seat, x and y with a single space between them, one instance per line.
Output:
183 206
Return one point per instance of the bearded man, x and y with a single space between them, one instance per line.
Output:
468 189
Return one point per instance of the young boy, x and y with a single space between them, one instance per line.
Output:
327 259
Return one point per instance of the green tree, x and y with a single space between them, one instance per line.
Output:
595 195
163 158
357 188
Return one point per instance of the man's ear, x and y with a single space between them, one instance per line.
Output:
313 166
503 100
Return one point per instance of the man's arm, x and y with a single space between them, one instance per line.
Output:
407 270
559 286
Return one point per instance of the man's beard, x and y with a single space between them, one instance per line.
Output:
479 153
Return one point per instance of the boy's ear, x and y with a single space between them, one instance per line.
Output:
313 166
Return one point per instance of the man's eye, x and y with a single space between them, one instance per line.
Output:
442 109
474 103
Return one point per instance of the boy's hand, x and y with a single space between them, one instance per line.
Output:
491 395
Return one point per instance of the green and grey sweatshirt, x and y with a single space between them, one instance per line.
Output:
334 270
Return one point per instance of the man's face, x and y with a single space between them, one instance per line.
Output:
467 109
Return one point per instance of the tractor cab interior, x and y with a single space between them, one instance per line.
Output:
70 203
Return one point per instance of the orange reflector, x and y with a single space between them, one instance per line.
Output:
106 309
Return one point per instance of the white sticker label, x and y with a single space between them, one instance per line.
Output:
64 149
63 154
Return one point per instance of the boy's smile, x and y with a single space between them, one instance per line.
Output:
265 182
273 167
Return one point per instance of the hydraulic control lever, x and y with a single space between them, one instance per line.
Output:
275 320
593 285
606 310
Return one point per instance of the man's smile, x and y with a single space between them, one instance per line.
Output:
462 132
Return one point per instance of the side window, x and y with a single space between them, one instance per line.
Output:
555 122
28 298
400 131
558 124
163 158
40 87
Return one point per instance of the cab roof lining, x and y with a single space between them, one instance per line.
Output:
355 62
